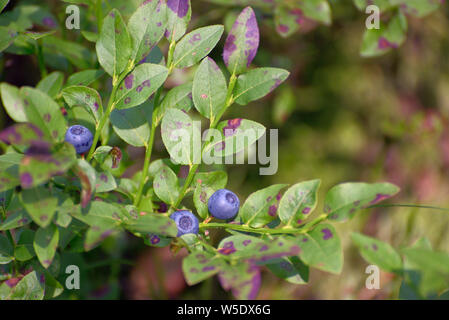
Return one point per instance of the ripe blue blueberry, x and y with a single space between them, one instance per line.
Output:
80 137
186 222
224 204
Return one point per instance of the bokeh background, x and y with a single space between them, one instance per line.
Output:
340 118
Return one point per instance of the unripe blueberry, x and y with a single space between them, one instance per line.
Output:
80 137
224 204
186 222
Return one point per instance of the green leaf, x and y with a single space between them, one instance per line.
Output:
29 288
6 250
260 208
417 8
16 218
152 223
114 44
133 125
321 249
105 182
3 4
378 253
7 36
65 208
242 42
234 136
178 131
83 78
51 84
179 97
24 249
97 234
40 204
343 200
35 35
426 259
257 83
146 27
90 36
9 170
39 165
13 102
199 265
291 269
79 55
383 5
45 244
44 112
23 134
195 45
101 213
298 202
257 250
391 36
139 85
209 89
85 97
166 185
178 17
206 183
242 279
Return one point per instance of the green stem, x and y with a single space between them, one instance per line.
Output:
214 123
99 14
40 58
409 206
154 124
146 165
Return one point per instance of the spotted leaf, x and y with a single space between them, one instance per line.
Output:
178 17
298 202
45 244
243 279
200 265
242 42
85 97
206 183
291 269
40 204
343 200
152 223
166 185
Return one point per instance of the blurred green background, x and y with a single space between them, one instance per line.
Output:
340 118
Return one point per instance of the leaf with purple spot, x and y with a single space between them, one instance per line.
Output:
257 83
195 45
133 125
95 235
85 97
28 288
242 42
260 208
298 202
209 89
101 213
40 204
139 85
257 250
206 183
177 130
390 36
343 200
45 244
235 135
243 279
378 252
13 102
200 265
87 177
147 27
321 249
7 37
105 182
152 223
114 44
178 17
180 97
291 269
44 112
166 185
418 8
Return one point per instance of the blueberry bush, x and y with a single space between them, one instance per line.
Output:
62 184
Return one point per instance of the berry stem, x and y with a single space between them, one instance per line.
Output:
213 125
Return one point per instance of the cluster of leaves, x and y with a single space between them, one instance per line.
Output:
291 16
54 201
